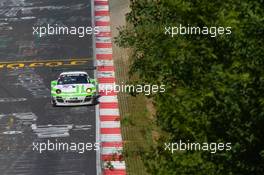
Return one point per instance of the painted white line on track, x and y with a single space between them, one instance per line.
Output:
97 118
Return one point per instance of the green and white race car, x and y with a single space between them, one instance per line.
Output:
73 88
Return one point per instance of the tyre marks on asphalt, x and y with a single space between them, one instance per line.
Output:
38 13
57 131
50 131
9 100
26 71
30 81
16 123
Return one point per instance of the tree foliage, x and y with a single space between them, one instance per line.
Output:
214 86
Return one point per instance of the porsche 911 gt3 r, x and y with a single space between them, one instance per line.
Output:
73 88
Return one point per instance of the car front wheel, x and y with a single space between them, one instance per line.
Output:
53 102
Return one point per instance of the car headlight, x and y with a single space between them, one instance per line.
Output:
88 90
58 91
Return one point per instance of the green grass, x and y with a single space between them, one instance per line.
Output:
135 122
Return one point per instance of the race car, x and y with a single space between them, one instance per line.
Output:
73 88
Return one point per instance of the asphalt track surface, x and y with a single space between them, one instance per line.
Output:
27 65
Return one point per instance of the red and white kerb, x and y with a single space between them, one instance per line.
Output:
111 139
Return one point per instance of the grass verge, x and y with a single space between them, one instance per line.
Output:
135 122
136 115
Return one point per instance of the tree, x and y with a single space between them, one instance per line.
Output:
214 85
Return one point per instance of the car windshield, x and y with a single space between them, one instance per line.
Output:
73 79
